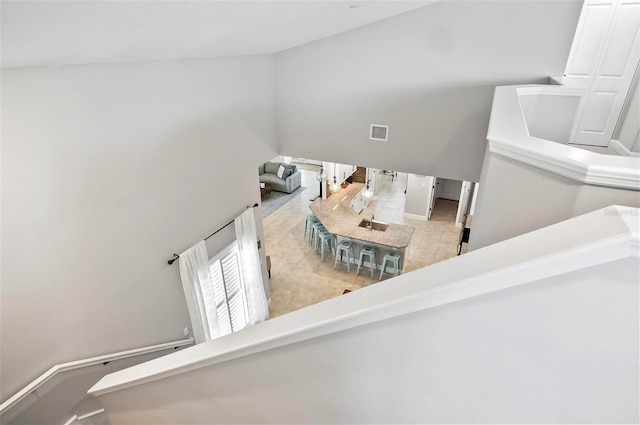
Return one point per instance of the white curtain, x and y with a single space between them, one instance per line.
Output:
198 290
258 309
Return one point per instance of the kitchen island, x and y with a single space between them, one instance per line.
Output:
337 215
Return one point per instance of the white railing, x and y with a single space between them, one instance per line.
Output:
557 249
78 364
509 136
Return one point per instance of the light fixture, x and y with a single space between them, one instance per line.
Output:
321 176
344 183
368 193
334 187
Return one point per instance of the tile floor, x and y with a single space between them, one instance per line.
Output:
299 278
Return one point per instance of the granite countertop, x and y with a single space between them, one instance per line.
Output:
339 218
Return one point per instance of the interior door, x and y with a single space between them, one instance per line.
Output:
603 60
433 195
466 192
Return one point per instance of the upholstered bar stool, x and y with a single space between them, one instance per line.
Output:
394 258
344 246
326 238
309 221
367 251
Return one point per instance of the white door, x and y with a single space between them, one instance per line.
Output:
419 194
603 60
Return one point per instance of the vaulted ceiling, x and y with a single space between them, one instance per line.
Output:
47 33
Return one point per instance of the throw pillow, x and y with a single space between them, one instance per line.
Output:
287 172
280 171
271 167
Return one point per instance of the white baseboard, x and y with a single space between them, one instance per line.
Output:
76 418
416 216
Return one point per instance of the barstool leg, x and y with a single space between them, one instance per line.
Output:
372 259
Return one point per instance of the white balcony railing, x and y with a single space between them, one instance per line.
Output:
531 329
524 122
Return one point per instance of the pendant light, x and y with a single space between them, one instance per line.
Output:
321 176
334 187
368 193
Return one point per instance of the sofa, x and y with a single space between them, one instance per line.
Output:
288 180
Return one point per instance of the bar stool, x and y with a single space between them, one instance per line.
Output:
313 236
347 247
369 251
309 221
394 258
326 238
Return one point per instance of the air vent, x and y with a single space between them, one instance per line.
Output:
379 132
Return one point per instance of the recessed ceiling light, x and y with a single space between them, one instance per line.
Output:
355 5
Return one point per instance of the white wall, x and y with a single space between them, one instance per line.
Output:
559 350
449 189
548 116
107 170
428 74
516 198
629 124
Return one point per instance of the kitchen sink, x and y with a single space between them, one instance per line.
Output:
375 225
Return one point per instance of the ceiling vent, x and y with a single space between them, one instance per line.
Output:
379 132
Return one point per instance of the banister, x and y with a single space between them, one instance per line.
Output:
77 364
613 234
508 136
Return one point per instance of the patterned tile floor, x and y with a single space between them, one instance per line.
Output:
299 278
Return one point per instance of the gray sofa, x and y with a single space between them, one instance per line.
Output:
290 181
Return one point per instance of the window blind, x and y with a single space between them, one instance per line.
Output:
228 290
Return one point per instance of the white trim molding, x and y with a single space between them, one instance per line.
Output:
508 137
71 420
75 418
621 149
77 364
416 216
90 414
